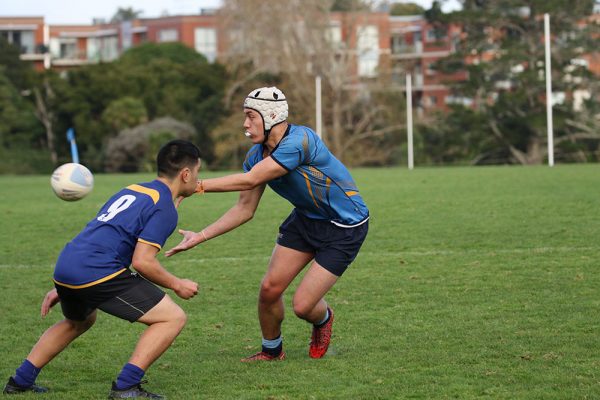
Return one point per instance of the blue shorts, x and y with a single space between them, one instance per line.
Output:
334 247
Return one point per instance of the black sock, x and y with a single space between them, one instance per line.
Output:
275 351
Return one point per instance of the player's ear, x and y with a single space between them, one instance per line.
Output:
186 174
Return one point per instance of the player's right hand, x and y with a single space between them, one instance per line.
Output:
190 239
186 289
50 301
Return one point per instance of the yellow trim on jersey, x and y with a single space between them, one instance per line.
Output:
310 189
150 243
351 193
106 278
142 189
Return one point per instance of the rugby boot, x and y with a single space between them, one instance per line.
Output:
135 391
262 356
321 336
11 387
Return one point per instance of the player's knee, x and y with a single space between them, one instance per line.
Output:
178 317
82 326
302 309
269 292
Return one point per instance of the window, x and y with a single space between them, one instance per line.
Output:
398 44
417 39
430 68
109 48
206 43
63 47
93 53
435 34
334 35
24 40
168 35
368 50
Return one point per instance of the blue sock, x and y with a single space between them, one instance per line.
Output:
26 374
130 376
272 346
324 320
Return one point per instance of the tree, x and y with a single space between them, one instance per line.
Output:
291 53
125 14
134 150
349 5
146 83
18 72
406 9
502 49
125 112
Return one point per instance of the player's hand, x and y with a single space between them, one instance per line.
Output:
50 301
190 239
186 289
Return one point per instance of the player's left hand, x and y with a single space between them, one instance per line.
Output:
190 239
50 301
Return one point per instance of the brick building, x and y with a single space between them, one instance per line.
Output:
383 47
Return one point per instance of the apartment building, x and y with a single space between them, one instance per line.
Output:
384 48
415 47
31 35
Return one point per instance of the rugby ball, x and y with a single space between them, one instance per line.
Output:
72 181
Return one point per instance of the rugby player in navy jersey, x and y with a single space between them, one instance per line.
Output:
326 228
92 272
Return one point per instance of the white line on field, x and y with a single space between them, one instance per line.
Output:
533 250
26 266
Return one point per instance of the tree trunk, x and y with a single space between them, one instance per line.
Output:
336 131
45 117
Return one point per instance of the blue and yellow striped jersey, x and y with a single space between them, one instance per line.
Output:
144 212
317 184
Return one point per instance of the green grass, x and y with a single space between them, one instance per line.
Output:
473 283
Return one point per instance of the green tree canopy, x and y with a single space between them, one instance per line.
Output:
125 14
349 5
148 82
502 49
406 9
18 72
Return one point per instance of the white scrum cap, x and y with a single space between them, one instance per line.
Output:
270 103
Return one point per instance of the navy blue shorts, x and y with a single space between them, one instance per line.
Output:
127 296
334 247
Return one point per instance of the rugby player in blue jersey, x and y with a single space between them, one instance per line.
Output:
92 272
326 228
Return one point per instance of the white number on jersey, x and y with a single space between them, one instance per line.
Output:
121 204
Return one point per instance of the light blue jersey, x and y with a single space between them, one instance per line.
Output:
104 248
317 183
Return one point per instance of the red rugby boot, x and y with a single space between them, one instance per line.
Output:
262 356
319 342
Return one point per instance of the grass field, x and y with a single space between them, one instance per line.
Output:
473 283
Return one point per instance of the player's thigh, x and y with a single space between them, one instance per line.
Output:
314 285
285 264
166 310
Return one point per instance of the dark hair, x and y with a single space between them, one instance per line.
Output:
176 155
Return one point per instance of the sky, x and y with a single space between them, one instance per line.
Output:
83 11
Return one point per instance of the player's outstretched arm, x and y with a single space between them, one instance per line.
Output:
50 300
263 172
242 212
144 261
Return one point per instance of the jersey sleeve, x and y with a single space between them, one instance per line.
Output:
158 228
293 151
252 157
